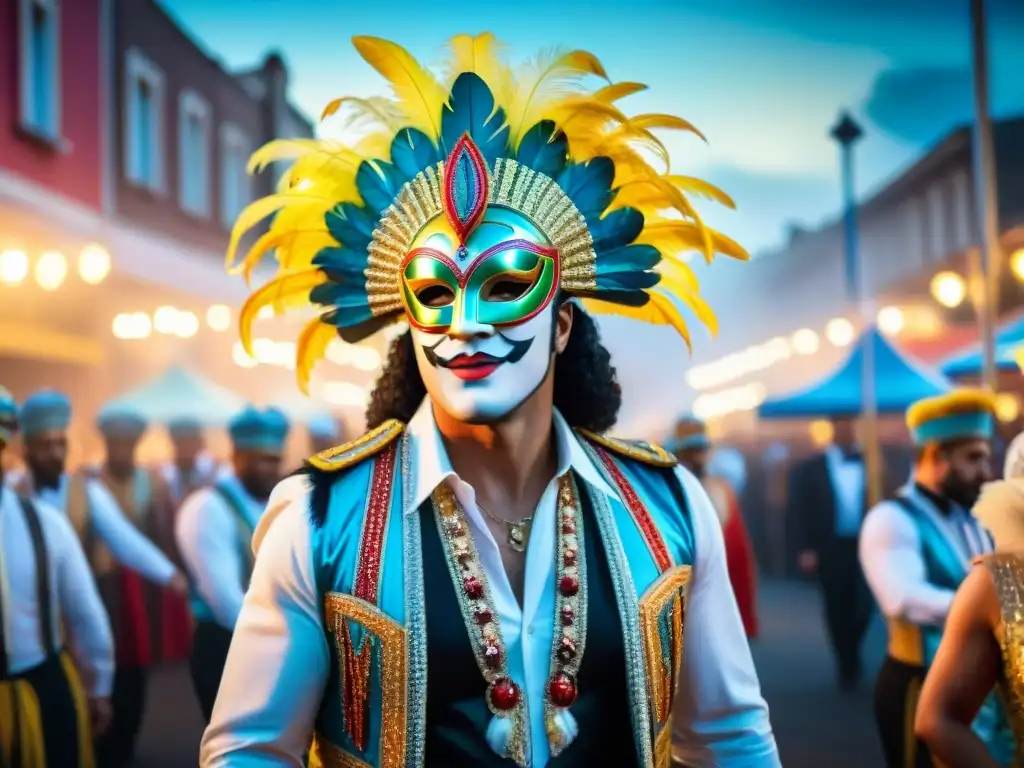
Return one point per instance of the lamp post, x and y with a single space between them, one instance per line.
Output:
846 132
985 196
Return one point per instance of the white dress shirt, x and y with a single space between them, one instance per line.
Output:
74 597
206 531
848 484
128 546
205 469
276 673
893 563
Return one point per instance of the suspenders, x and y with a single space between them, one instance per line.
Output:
245 530
35 531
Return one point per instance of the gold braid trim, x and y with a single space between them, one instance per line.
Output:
638 450
348 454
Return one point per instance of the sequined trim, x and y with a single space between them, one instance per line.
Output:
416 623
1007 572
663 747
480 617
342 456
375 525
637 510
625 598
641 451
323 754
664 654
385 632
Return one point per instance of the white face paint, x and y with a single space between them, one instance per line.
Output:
484 378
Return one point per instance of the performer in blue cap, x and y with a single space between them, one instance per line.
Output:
324 432
192 467
46 587
214 531
916 549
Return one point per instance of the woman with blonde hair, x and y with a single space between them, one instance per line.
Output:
983 644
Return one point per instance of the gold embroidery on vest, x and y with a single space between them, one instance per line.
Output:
1008 575
664 655
323 754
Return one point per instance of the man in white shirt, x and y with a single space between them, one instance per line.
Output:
484 579
192 467
916 548
214 531
46 704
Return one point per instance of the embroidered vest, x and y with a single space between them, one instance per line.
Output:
1008 575
229 496
378 572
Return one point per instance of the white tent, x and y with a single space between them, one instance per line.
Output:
182 393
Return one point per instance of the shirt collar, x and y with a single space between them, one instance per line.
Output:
431 465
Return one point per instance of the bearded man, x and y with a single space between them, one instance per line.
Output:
485 578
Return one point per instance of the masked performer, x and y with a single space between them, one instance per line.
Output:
916 549
214 532
484 579
47 715
692 447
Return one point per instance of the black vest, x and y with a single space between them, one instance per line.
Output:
457 713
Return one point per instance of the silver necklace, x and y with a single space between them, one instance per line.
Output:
517 532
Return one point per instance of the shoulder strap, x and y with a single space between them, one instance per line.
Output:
373 442
638 450
35 532
245 528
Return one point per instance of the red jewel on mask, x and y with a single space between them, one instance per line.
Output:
504 694
562 690
473 588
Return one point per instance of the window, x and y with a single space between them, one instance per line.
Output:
144 96
234 179
40 67
194 154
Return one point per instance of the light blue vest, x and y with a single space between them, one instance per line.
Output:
232 495
373 709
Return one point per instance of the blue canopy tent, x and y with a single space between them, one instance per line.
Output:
181 393
899 381
1009 340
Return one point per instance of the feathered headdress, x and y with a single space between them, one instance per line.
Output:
537 142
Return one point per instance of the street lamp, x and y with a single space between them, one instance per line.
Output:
846 133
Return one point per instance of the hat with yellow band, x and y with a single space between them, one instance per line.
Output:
957 415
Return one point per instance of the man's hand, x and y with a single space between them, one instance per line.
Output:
99 715
179 584
808 561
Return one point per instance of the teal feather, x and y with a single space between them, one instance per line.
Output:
545 149
379 184
627 281
345 294
471 109
351 225
412 151
615 230
628 257
636 298
589 186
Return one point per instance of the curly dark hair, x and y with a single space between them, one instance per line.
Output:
587 391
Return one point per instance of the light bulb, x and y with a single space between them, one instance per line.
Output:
51 270
13 267
218 317
93 264
949 289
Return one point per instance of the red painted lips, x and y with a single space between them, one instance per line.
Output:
473 367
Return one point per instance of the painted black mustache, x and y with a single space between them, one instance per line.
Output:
517 353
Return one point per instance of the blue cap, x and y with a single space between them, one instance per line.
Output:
324 427
690 432
255 430
120 421
957 415
8 417
45 411
185 426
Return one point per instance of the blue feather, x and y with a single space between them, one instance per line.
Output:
351 225
625 298
341 261
627 257
627 281
341 295
618 228
379 184
470 109
544 149
589 186
412 151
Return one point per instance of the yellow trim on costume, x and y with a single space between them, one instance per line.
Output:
905 642
647 453
964 400
338 608
664 659
346 455
324 754
86 758
663 747
909 715
21 725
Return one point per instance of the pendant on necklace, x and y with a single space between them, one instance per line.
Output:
518 533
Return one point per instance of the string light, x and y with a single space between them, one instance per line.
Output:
93 264
891 320
132 325
345 393
821 432
51 270
717 404
839 331
949 289
13 267
218 317
1007 407
805 342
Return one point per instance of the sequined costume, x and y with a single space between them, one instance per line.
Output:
379 616
1008 576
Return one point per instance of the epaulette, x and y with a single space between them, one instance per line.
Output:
638 450
346 455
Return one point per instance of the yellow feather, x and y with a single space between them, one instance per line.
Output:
549 78
609 94
280 293
675 237
286 243
257 211
330 152
690 296
481 54
659 310
699 187
420 96
312 345
671 122
374 110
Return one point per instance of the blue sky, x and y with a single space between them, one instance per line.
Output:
763 79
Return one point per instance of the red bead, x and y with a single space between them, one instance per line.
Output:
504 694
568 615
568 528
482 616
493 655
473 587
569 556
562 690
569 586
567 650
